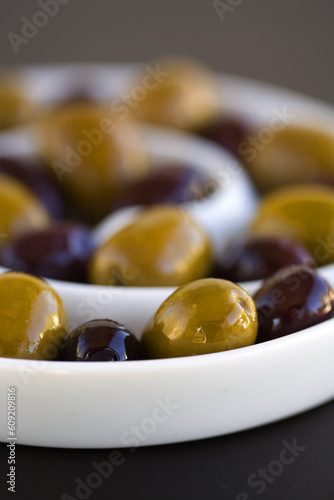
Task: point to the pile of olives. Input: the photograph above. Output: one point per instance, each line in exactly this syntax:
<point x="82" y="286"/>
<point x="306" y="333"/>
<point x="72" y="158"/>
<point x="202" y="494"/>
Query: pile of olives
<point x="92" y="162"/>
<point x="201" y="317"/>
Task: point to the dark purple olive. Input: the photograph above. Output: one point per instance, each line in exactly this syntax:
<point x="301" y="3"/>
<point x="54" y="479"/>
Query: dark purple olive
<point x="77" y="92"/>
<point x="77" y="97"/>
<point x="32" y="175"/>
<point x="101" y="340"/>
<point x="258" y="257"/>
<point x="60" y="251"/>
<point x="293" y="299"/>
<point x="172" y="184"/>
<point x="228" y="132"/>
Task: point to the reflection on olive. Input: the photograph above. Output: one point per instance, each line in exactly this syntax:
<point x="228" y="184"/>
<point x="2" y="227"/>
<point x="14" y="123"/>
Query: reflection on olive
<point x="204" y="316"/>
<point x="33" y="318"/>
<point x="101" y="340"/>
<point x="164" y="246"/>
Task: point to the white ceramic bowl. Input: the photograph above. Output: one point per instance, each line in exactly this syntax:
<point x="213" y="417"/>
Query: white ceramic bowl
<point x="103" y="405"/>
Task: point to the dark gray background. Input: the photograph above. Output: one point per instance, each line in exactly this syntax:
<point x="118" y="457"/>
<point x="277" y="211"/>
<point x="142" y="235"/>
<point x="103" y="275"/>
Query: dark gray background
<point x="289" y="43"/>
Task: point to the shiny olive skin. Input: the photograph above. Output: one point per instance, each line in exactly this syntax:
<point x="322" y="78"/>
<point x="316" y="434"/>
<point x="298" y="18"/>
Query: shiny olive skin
<point x="163" y="246"/>
<point x="173" y="184"/>
<point x="303" y="213"/>
<point x="20" y="210"/>
<point x="259" y="257"/>
<point x="292" y="154"/>
<point x="101" y="340"/>
<point x="293" y="299"/>
<point x="31" y="173"/>
<point x="228" y="132"/>
<point x="201" y="317"/>
<point x="60" y="251"/>
<point x="92" y="153"/>
<point x="180" y="93"/>
<point x="33" y="318"/>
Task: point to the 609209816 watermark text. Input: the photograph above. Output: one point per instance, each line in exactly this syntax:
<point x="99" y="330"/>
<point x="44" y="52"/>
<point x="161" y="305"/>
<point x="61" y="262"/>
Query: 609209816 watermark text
<point x="12" y="438"/>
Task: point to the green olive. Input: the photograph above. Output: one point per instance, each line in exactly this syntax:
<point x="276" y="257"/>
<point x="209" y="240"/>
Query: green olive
<point x="176" y="92"/>
<point x="301" y="213"/>
<point x="33" y="318"/>
<point x="293" y="154"/>
<point x="15" y="108"/>
<point x="164" y="246"/>
<point x="93" y="154"/>
<point x="201" y="317"/>
<point x="20" y="210"/>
